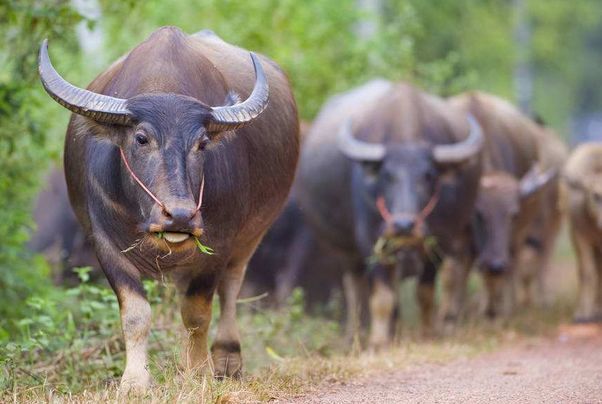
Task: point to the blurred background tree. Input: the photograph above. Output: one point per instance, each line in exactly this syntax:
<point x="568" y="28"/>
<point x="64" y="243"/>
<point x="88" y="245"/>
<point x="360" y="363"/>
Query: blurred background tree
<point x="24" y="145"/>
<point x="446" y="46"/>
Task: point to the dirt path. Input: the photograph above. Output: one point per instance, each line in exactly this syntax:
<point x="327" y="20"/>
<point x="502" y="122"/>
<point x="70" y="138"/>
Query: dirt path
<point x="565" y="369"/>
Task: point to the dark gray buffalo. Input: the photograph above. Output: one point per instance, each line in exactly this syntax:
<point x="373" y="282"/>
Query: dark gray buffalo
<point x="386" y="172"/>
<point x="163" y="158"/>
<point x="58" y="236"/>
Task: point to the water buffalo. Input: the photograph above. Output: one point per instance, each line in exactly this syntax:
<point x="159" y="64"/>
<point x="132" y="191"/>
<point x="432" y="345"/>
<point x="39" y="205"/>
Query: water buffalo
<point x="164" y="159"/>
<point x="289" y="256"/>
<point x="386" y="167"/>
<point x="535" y="255"/>
<point x="58" y="236"/>
<point x="582" y="196"/>
<point x="508" y="193"/>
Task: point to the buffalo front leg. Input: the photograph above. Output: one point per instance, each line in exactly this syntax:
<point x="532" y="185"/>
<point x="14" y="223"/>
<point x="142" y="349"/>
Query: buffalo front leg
<point x="135" y="322"/>
<point x="382" y="306"/>
<point x="588" y="278"/>
<point x="351" y="287"/>
<point x="135" y="311"/>
<point x="454" y="279"/>
<point x="425" y="295"/>
<point x="529" y="263"/>
<point x="196" y="305"/>
<point x="497" y="286"/>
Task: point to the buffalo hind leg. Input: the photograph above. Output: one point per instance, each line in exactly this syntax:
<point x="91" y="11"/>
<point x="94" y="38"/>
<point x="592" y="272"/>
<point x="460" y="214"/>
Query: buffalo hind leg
<point x="598" y="309"/>
<point x="196" y="302"/>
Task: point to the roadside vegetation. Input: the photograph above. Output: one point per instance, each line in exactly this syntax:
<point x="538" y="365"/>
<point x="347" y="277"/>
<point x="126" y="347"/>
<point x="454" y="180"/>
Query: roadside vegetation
<point x="70" y="347"/>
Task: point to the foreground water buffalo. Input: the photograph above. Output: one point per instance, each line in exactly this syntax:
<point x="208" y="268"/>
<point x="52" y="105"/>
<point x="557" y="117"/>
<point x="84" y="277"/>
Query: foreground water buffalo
<point x="582" y="195"/>
<point x="58" y="235"/>
<point x="386" y="167"/>
<point x="164" y="162"/>
<point x="535" y="255"/>
<point x="509" y="191"/>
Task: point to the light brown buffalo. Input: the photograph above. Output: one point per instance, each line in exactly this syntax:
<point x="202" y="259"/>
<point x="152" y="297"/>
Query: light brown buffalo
<point x="510" y="191"/>
<point x="582" y="196"/>
<point x="535" y="255"/>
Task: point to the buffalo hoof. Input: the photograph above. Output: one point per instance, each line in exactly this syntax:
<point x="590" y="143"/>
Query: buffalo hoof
<point x="135" y="382"/>
<point x="448" y="328"/>
<point x="448" y="324"/>
<point x="378" y="346"/>
<point x="593" y="319"/>
<point x="428" y="332"/>
<point x="227" y="360"/>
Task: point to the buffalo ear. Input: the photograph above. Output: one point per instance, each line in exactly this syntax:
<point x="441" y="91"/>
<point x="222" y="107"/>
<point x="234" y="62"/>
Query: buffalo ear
<point x="115" y="134"/>
<point x="573" y="183"/>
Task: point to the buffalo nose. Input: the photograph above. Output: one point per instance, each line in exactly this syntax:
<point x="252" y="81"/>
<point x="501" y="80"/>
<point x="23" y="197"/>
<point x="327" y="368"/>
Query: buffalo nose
<point x="497" y="266"/>
<point x="179" y="216"/>
<point x="404" y="225"/>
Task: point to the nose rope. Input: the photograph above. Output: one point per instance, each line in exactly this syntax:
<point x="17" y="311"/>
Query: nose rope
<point x="198" y="206"/>
<point x="148" y="191"/>
<point x="388" y="217"/>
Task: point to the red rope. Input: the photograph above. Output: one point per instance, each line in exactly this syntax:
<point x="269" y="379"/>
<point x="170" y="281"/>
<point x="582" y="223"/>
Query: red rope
<point x="148" y="191"/>
<point x="388" y="217"/>
<point x="198" y="206"/>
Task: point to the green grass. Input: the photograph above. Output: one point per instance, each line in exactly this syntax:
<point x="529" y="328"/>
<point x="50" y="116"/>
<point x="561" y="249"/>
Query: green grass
<point x="70" y="347"/>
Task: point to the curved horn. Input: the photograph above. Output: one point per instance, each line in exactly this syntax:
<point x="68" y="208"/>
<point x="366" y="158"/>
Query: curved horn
<point x="98" y="107"/>
<point x="534" y="180"/>
<point x="357" y="149"/>
<point x="241" y="114"/>
<point x="463" y="150"/>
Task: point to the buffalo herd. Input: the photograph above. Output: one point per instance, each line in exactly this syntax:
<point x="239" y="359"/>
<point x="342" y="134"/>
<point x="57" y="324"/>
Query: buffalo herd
<point x="181" y="155"/>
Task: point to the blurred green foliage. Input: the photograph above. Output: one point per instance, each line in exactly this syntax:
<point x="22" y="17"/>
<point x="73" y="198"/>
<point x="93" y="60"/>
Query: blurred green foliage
<point x="24" y="150"/>
<point x="314" y="41"/>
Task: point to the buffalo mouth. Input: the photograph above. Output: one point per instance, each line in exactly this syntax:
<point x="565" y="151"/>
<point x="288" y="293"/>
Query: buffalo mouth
<point x="173" y="237"/>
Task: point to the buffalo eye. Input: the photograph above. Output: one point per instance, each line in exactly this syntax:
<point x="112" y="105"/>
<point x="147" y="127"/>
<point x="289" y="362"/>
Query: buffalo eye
<point x="202" y="144"/>
<point x="141" y="138"/>
<point x="371" y="168"/>
<point x="430" y="176"/>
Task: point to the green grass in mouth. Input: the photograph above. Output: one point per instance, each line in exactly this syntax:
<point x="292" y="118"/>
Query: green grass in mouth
<point x="202" y="248"/>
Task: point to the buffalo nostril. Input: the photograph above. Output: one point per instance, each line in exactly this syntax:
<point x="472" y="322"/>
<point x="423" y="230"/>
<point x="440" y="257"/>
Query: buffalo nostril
<point x="404" y="225"/>
<point x="181" y="215"/>
<point x="165" y="212"/>
<point x="497" y="266"/>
